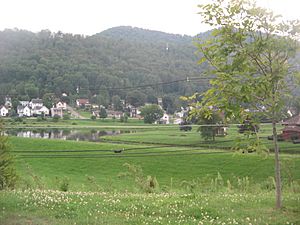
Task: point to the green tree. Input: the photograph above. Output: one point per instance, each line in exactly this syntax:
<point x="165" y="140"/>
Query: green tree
<point x="49" y="100"/>
<point x="116" y="101"/>
<point x="248" y="54"/>
<point x="209" y="125"/>
<point x="151" y="113"/>
<point x="8" y="174"/>
<point x="103" y="113"/>
<point x="136" y="98"/>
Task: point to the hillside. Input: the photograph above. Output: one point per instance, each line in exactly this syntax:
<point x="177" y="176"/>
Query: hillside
<point x="33" y="64"/>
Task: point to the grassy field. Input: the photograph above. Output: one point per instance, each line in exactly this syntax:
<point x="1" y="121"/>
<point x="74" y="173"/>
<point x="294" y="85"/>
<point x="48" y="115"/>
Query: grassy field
<point x="198" y="183"/>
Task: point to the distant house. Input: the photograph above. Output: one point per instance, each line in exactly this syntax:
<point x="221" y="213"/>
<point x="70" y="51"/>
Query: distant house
<point x="61" y="105"/>
<point x="24" y="103"/>
<point x="165" y="119"/>
<point x="94" y="106"/>
<point x="3" y="111"/>
<point x="8" y="103"/>
<point x="82" y="102"/>
<point x="133" y="111"/>
<point x="292" y="128"/>
<point x="40" y="110"/>
<point x="36" y="103"/>
<point x="114" y="114"/>
<point x="23" y="111"/>
<point x="57" y="112"/>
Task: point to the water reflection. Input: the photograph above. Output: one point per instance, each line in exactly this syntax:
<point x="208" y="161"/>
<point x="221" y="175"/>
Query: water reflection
<point x="66" y="134"/>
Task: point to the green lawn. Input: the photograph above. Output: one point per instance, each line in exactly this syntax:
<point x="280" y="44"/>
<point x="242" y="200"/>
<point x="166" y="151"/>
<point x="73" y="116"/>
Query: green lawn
<point x="198" y="183"/>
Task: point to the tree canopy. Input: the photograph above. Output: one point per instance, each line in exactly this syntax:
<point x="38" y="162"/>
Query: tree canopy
<point x="249" y="54"/>
<point x="151" y="113"/>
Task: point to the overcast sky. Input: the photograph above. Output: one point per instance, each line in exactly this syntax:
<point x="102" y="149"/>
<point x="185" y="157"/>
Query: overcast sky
<point x="93" y="16"/>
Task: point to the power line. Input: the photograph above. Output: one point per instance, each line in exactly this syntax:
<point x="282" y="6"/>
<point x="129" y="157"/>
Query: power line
<point x="188" y="79"/>
<point x="133" y="155"/>
<point x="149" y="85"/>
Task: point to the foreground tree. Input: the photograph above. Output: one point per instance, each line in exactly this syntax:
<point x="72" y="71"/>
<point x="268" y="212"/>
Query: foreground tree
<point x="8" y="175"/>
<point x="151" y="113"/>
<point x="249" y="54"/>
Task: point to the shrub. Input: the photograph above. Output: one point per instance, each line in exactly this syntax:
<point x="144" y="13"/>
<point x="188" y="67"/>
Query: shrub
<point x="146" y="183"/>
<point x="64" y="184"/>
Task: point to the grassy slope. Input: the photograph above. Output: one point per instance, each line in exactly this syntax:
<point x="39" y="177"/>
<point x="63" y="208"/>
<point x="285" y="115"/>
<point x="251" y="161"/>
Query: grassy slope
<point x="105" y="170"/>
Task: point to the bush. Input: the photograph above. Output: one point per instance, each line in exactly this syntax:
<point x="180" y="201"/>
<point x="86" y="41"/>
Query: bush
<point x="146" y="183"/>
<point x="64" y="184"/>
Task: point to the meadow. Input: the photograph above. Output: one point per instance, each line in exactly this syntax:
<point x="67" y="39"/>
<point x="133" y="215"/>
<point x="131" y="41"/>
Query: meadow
<point x="195" y="182"/>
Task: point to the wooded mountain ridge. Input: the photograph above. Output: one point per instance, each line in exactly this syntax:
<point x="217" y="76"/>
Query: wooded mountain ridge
<point x="35" y="64"/>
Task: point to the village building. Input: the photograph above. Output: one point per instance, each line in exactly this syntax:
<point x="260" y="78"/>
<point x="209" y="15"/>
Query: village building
<point x="165" y="119"/>
<point x="24" y="103"/>
<point x="40" y="111"/>
<point x="61" y="105"/>
<point x="56" y="112"/>
<point x="83" y="102"/>
<point x="36" y="103"/>
<point x="291" y="131"/>
<point x="8" y="103"/>
<point x="114" y="114"/>
<point x="3" y="111"/>
<point x="23" y="111"/>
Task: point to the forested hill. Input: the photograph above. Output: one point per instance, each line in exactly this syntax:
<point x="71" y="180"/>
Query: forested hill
<point x="34" y="64"/>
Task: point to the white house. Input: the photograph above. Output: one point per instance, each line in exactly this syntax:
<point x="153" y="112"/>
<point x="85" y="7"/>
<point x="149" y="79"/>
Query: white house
<point x="57" y="111"/>
<point x="165" y="119"/>
<point x="8" y="103"/>
<point x="40" y="110"/>
<point x="24" y="103"/>
<point x="36" y="103"/>
<point x="23" y="111"/>
<point x="61" y="105"/>
<point x="3" y="111"/>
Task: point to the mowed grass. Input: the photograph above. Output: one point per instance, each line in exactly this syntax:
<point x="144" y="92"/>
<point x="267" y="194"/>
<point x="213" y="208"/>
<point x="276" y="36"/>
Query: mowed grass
<point x="174" y="163"/>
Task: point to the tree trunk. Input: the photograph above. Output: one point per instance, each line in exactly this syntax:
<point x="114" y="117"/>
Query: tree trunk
<point x="277" y="167"/>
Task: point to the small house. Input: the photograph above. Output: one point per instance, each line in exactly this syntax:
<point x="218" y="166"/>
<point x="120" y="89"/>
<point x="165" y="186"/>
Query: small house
<point x="8" y="103"/>
<point x="61" y="105"/>
<point x="165" y="119"/>
<point x="56" y="112"/>
<point x="292" y="128"/>
<point x="40" y="111"/>
<point x="3" y="111"/>
<point x="114" y="114"/>
<point x="24" y="103"/>
<point x="23" y="111"/>
<point x="36" y="102"/>
<point x="82" y="102"/>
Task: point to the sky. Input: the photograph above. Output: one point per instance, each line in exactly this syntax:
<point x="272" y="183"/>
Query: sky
<point x="89" y="17"/>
